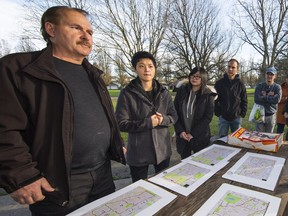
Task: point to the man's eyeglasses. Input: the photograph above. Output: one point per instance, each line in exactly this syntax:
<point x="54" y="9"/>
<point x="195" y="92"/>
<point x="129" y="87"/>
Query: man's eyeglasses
<point x="196" y="77"/>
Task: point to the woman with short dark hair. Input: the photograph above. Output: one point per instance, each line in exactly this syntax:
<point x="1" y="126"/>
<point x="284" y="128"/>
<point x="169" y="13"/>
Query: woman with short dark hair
<point x="145" y="110"/>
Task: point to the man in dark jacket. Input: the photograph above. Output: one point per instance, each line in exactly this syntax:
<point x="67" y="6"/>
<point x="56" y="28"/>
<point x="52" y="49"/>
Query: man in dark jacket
<point x="231" y="104"/>
<point x="57" y="126"/>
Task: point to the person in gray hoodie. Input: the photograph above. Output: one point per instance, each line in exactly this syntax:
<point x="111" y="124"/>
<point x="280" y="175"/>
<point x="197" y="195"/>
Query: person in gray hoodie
<point x="145" y="111"/>
<point x="194" y="103"/>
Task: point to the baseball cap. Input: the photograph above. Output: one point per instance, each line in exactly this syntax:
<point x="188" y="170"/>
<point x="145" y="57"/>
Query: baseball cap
<point x="271" y="70"/>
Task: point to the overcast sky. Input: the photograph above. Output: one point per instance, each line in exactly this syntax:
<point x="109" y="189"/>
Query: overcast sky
<point x="10" y="14"/>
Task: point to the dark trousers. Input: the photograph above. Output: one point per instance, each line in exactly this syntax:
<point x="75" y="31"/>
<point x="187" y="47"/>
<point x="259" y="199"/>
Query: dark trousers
<point x="280" y="129"/>
<point x="185" y="148"/>
<point x="141" y="172"/>
<point x="84" y="188"/>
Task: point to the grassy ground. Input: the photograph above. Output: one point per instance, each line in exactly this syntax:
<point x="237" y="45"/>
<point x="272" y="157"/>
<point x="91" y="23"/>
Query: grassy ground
<point x="213" y="125"/>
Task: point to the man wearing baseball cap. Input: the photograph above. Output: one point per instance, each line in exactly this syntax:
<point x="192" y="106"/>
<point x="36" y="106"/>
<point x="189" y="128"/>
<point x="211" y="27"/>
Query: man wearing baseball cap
<point x="268" y="94"/>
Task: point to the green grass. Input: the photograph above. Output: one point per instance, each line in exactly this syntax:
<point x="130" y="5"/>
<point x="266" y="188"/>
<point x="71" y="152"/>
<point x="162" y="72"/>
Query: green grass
<point x="114" y="93"/>
<point x="214" y="123"/>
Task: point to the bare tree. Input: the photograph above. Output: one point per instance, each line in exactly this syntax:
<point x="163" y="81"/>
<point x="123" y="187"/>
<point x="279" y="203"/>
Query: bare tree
<point x="249" y="72"/>
<point x="121" y="76"/>
<point x="128" y="26"/>
<point x="260" y="23"/>
<point x="282" y="66"/>
<point x="195" y="37"/>
<point x="4" y="48"/>
<point x="121" y="27"/>
<point x="25" y="45"/>
<point x="103" y="62"/>
<point x="165" y="73"/>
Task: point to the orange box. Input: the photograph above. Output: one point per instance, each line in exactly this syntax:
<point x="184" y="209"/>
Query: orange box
<point x="256" y="140"/>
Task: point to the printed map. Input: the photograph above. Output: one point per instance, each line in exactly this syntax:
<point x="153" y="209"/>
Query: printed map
<point x="186" y="175"/>
<point x="231" y="200"/>
<point x="255" y="167"/>
<point x="129" y="203"/>
<point x="237" y="204"/>
<point x="213" y="156"/>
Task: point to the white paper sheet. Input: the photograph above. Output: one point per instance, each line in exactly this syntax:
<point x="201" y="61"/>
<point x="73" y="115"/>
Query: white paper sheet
<point x="257" y="169"/>
<point x="183" y="178"/>
<point x="238" y="201"/>
<point x="213" y="157"/>
<point x="140" y="198"/>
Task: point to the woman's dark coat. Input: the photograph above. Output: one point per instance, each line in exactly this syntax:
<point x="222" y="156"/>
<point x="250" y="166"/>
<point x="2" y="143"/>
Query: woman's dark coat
<point x="203" y="115"/>
<point x="146" y="145"/>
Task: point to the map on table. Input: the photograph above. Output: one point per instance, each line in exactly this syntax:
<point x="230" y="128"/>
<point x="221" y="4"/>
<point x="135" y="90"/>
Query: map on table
<point x="257" y="169"/>
<point x="139" y="198"/>
<point x="183" y="178"/>
<point x="213" y="156"/>
<point x="238" y="201"/>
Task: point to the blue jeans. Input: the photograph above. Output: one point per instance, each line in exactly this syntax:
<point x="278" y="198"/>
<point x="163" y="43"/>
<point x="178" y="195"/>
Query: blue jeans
<point x="224" y="125"/>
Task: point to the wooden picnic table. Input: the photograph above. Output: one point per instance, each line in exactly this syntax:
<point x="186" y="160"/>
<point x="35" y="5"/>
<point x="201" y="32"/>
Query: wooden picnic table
<point x="189" y="205"/>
